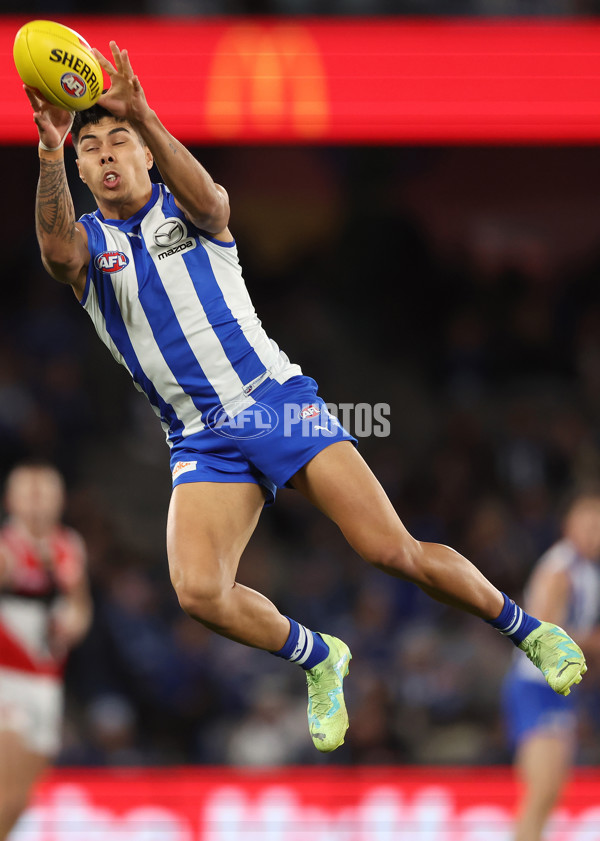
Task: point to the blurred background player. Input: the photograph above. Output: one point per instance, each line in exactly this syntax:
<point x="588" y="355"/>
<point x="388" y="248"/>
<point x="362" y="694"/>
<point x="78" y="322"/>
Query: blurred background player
<point x="45" y="610"/>
<point x="565" y="588"/>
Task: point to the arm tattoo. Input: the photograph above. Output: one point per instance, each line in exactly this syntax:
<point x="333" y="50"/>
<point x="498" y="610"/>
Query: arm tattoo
<point x="54" y="213"/>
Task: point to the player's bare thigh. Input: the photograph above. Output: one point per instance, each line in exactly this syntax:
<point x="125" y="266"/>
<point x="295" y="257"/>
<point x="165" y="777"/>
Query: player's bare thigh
<point x="341" y="484"/>
<point x="208" y="527"/>
<point x="20" y="767"/>
<point x="544" y="760"/>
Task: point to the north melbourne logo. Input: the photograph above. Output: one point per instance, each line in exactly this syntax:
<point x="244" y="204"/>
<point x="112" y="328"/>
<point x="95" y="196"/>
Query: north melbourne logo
<point x="172" y="238"/>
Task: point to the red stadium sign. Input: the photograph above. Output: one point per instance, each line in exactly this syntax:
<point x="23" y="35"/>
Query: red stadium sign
<point x="236" y="80"/>
<point x="368" y="804"/>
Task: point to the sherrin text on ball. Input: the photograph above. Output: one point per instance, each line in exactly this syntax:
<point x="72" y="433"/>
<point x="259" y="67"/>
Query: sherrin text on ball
<point x="58" y="62"/>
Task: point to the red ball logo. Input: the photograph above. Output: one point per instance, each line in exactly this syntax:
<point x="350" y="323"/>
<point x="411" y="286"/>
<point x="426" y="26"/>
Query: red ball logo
<point x="73" y="84"/>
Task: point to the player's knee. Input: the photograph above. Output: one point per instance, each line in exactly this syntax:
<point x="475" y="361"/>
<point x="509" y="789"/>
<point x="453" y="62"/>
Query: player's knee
<point x="399" y="556"/>
<point x="202" y="599"/>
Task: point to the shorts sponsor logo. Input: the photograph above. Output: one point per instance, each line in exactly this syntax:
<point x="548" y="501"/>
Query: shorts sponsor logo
<point x="111" y="261"/>
<point x="312" y="421"/>
<point x="73" y="84"/>
<point x="310" y="412"/>
<point x="183" y="467"/>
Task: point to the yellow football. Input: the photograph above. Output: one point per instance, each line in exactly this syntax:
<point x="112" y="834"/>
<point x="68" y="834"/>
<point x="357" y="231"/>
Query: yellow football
<point x="59" y="63"/>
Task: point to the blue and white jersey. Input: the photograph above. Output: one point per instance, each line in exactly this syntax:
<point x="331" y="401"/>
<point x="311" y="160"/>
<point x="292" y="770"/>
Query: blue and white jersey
<point x="583" y="597"/>
<point x="170" y="303"/>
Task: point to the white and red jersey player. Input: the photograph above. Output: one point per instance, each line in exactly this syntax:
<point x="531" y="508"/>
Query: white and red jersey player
<point x="38" y="576"/>
<point x="45" y="609"/>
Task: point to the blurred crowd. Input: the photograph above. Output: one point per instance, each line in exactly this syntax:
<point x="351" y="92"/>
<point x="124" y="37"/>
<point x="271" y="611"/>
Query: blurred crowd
<point x="457" y="285"/>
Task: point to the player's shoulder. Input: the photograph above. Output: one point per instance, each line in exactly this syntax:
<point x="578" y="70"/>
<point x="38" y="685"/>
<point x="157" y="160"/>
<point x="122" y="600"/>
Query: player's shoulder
<point x="87" y="219"/>
<point x="561" y="553"/>
<point x="88" y="226"/>
<point x="70" y="542"/>
<point x="167" y="197"/>
<point x="224" y="241"/>
<point x="10" y="538"/>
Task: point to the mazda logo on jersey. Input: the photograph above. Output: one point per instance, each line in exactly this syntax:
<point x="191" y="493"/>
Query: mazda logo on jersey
<point x="172" y="238"/>
<point x="170" y="233"/>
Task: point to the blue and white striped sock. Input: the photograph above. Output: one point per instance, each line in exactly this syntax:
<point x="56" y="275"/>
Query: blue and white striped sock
<point x="513" y="622"/>
<point x="303" y="646"/>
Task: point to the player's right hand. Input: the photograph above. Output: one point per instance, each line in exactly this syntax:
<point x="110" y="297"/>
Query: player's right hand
<point x="53" y="123"/>
<point x="125" y="98"/>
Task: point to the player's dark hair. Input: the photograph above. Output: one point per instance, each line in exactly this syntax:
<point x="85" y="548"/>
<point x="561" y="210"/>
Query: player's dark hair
<point x="91" y="116"/>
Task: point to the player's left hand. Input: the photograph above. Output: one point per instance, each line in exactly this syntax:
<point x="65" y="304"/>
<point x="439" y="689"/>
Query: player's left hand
<point x="53" y="123"/>
<point x="60" y="639"/>
<point x="64" y="631"/>
<point x="125" y="97"/>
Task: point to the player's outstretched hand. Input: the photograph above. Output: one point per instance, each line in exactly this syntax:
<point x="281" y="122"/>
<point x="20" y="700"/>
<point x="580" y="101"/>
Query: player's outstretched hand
<point x="53" y="123"/>
<point x="125" y="97"/>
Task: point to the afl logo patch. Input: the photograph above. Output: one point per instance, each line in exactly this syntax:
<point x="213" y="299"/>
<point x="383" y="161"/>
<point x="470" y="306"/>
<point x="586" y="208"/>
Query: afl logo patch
<point x="309" y="412"/>
<point x="170" y="233"/>
<point x="111" y="261"/>
<point x="73" y="84"/>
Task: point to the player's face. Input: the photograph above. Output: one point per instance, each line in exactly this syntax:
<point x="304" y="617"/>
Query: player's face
<point x="114" y="164"/>
<point x="35" y="496"/>
<point x="583" y="527"/>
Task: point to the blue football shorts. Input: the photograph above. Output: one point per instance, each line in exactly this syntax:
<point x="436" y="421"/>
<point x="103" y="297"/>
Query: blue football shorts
<point x="266" y="443"/>
<point x="531" y="706"/>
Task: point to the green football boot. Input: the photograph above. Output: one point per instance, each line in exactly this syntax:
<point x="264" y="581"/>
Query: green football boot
<point x="558" y="656"/>
<point x="327" y="715"/>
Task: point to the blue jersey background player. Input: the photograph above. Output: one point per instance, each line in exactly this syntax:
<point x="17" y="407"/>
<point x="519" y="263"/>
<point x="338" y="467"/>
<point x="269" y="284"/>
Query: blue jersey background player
<point x="564" y="587"/>
<point x="157" y="271"/>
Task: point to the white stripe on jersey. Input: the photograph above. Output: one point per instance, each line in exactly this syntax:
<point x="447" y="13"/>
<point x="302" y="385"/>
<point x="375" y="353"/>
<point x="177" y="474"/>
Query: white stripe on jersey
<point x="142" y="338"/>
<point x="201" y="337"/>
